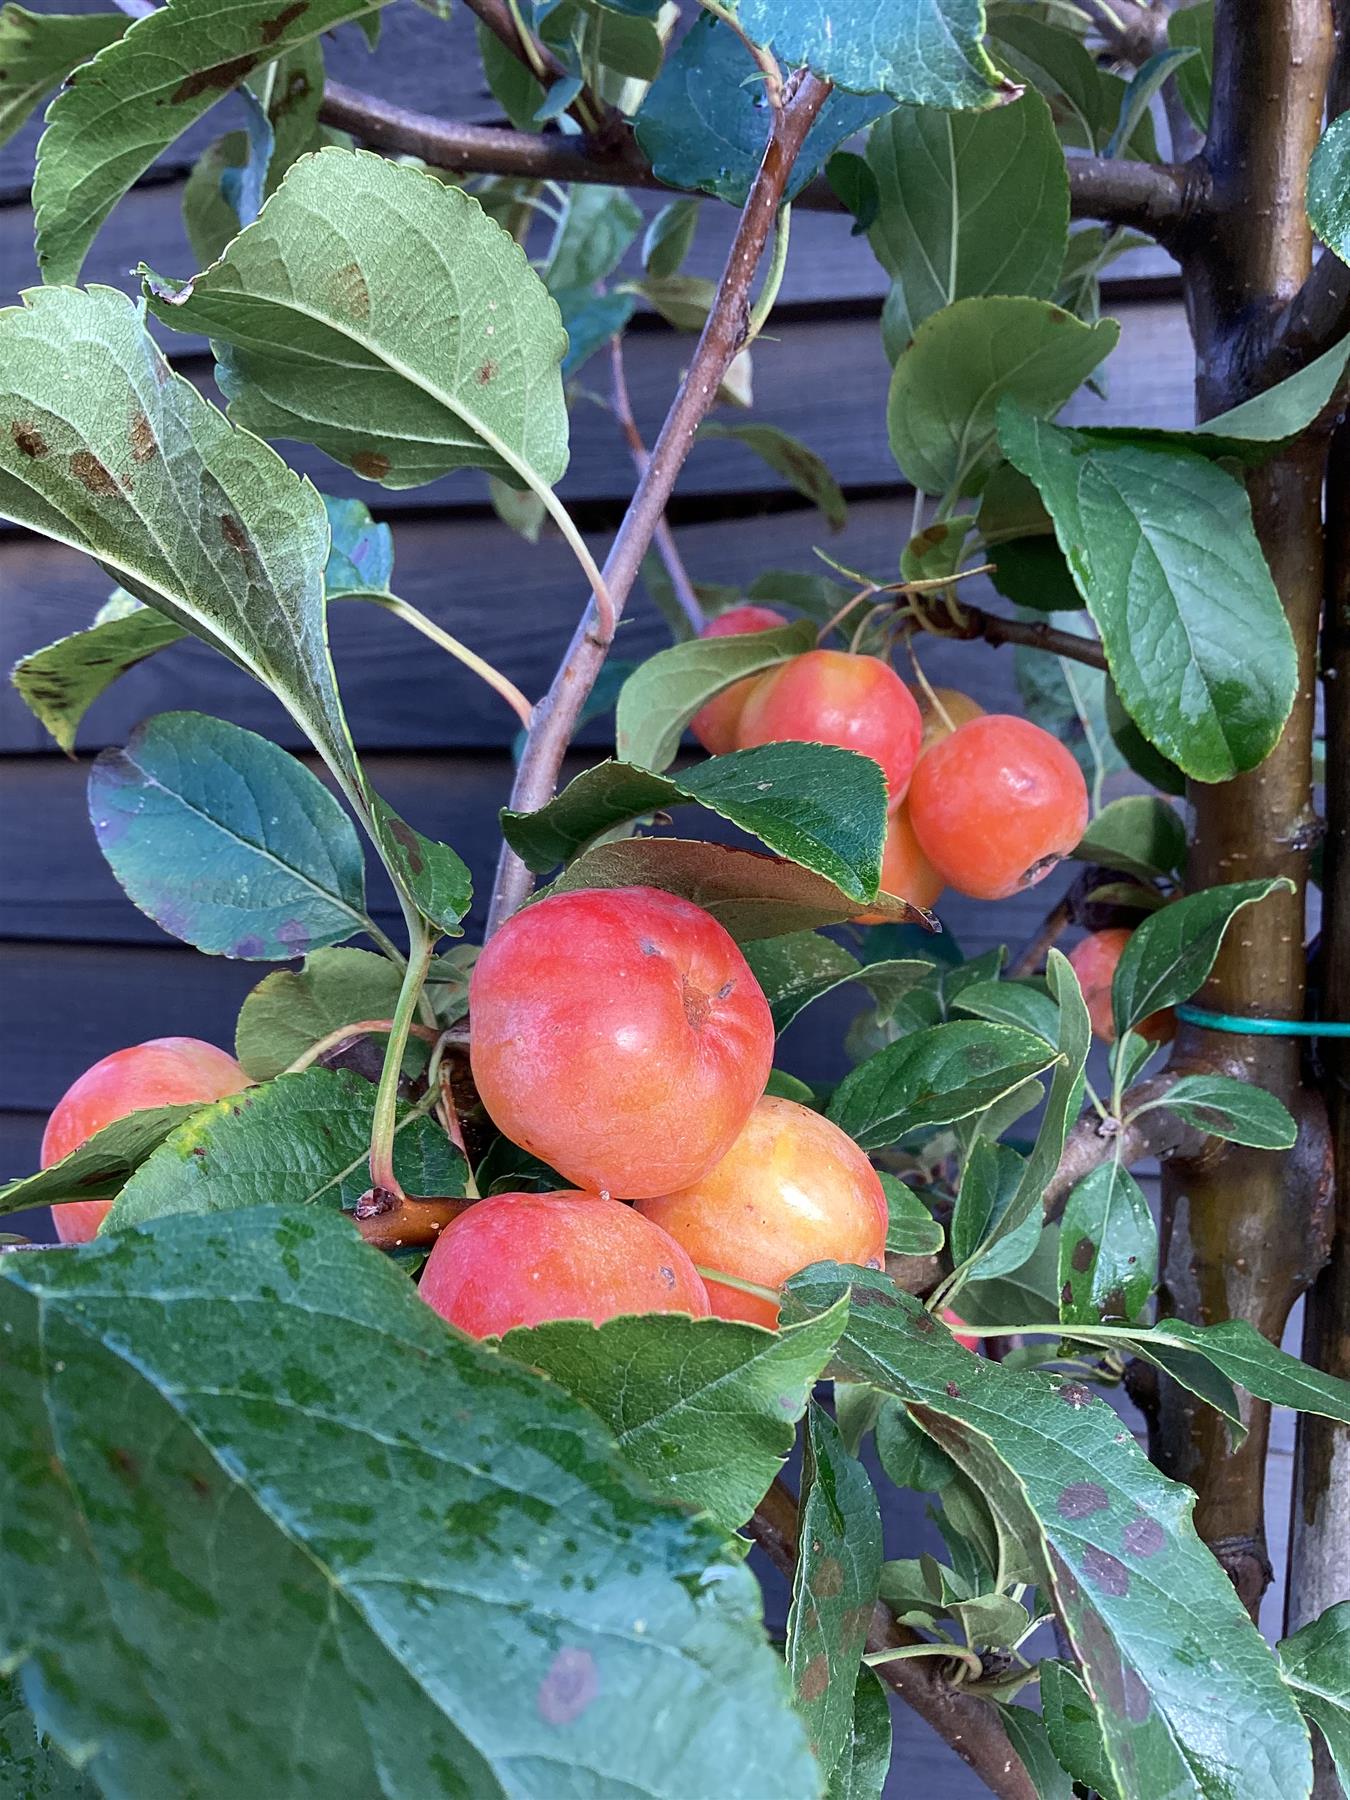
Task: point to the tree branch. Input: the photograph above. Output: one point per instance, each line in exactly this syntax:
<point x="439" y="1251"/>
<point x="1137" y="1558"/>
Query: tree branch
<point x="556" y="714"/>
<point x="971" y="622"/>
<point x="662" y="537"/>
<point x="969" y="1725"/>
<point x="1093" y="1140"/>
<point x="1156" y="198"/>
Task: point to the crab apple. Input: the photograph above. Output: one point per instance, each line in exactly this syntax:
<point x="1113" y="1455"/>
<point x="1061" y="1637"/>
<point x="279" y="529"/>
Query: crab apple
<point x="955" y="1323"/>
<point x="171" y="1071"/>
<point x="1094" y="963"/>
<point x="942" y="711"/>
<point x="995" y="805"/>
<point x="792" y="1190"/>
<point x="619" y="1035"/>
<point x="521" y="1259"/>
<point x="905" y="870"/>
<point x="834" y="697"/>
<point x="714" y="725"/>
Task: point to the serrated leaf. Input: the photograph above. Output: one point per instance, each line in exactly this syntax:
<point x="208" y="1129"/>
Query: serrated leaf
<point x="1022" y="1003"/>
<point x="101" y="1164"/>
<point x="1163" y="551"/>
<point x="834" y="1587"/>
<point x="1170" y="954"/>
<point x="942" y="413"/>
<point x="795" y="461"/>
<point x="911" y="1229"/>
<point x="795" y="971"/>
<point x="290" y="1010"/>
<point x="1140" y="835"/>
<point x="969" y="203"/>
<point x="1074" y="1731"/>
<point x="1141" y="1598"/>
<point x="705" y="1408"/>
<point x="702" y="125"/>
<point x="227" y="842"/>
<point x="308" y="311"/>
<point x="345" y="1443"/>
<point x="38" y="52"/>
<point x="930" y="52"/>
<point x="752" y="895"/>
<point x="663" y="693"/>
<point x="1108" y="1249"/>
<point x="1315" y="1662"/>
<point x="298" y="1141"/>
<point x="934" y="1077"/>
<point x="141" y="93"/>
<point x="31" y="1768"/>
<point x="823" y="807"/>
<point x="1329" y="188"/>
<point x="1193" y="27"/>
<point x="865" y="1759"/>
<point x="1235" y="1110"/>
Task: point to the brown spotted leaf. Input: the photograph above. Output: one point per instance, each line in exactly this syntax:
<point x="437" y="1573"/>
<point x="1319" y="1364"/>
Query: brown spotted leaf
<point x="300" y="1538"/>
<point x="1188" y="1696"/>
<point x="835" y="1585"/>
<point x="129" y="104"/>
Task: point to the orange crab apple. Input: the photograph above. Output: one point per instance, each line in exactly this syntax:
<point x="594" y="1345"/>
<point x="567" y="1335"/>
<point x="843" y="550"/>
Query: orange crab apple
<point x="996" y="804"/>
<point x="834" y="697"/>
<point x="792" y="1190"/>
<point x="619" y="1035"/>
<point x="943" y="710"/>
<point x="905" y="870"/>
<point x="1094" y="963"/>
<point x="170" y="1071"/>
<point x="521" y="1259"/>
<point x="714" y="725"/>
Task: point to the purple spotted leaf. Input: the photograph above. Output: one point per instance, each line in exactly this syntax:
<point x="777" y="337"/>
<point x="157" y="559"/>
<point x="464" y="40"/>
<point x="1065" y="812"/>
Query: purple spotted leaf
<point x="1187" y="1695"/>
<point x="226" y="841"/>
<point x="1108" y="1249"/>
<point x="834" y="1588"/>
<point x="252" y="1448"/>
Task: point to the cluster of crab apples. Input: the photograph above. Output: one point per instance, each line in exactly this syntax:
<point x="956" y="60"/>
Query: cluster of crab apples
<point x="984" y="803"/>
<point x="620" y="1037"/>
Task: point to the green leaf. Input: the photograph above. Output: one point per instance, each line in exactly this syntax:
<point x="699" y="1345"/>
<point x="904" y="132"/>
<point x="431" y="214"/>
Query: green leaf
<point x="1172" y="951"/>
<point x="143" y="91"/>
<point x="1329" y="188"/>
<point x="597" y="226"/>
<point x="1030" y="1291"/>
<point x="794" y="461"/>
<point x="1234" y="1110"/>
<point x="1074" y="1731"/>
<point x="101" y="1164"/>
<point x="989" y="1184"/>
<point x="30" y="1768"/>
<point x="934" y="1077"/>
<point x="705" y="1408"/>
<point x="946" y="388"/>
<point x="752" y="895"/>
<point x="702" y="124"/>
<point x="669" y="238"/>
<point x="1140" y="92"/>
<point x="1085" y="99"/>
<point x="1140" y="835"/>
<point x="226" y="841"/>
<point x="1108" y="1249"/>
<point x="926" y="51"/>
<point x="1141" y="1598"/>
<point x="662" y="695"/>
<point x="1135" y="748"/>
<point x="834" y="1587"/>
<point x="683" y="301"/>
<point x="865" y="1759"/>
<point x="909" y="1458"/>
<point x="1163" y="551"/>
<point x="1281" y="412"/>
<point x="1316" y="1664"/>
<point x="510" y="83"/>
<point x="938" y="550"/>
<point x="1239" y="1351"/>
<point x="823" y="807"/>
<point x="1068" y="700"/>
<point x="970" y="203"/>
<point x="855" y="186"/>
<point x="912" y="1230"/>
<point x="37" y="54"/>
<point x="267" y="1380"/>
<point x="293" y="1008"/>
<point x="315" y="339"/>
<point x="1028" y="1737"/>
<point x="300" y="1140"/>
<point x="1193" y="27"/>
<point x="795" y="971"/>
<point x="60" y="682"/>
<point x="1023" y="1003"/>
<point x="361" y="552"/>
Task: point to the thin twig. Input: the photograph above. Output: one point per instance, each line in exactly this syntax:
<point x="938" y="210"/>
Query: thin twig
<point x="1093" y="1141"/>
<point x="724" y="331"/>
<point x="1033" y="953"/>
<point x="663" y="537"/>
<point x="506" y="27"/>
<point x="499" y="683"/>
<point x="974" y="622"/>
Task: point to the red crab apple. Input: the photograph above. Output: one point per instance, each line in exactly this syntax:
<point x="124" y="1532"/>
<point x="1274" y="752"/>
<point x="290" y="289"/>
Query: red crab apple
<point x="521" y="1259"/>
<point x="834" y="697"/>
<point x="954" y="1323"/>
<point x="943" y="710"/>
<point x="905" y="870"/>
<point x="1094" y="963"/>
<point x="619" y="1035"/>
<point x="996" y="805"/>
<point x="170" y="1071"/>
<point x="714" y="725"/>
<point x="792" y="1190"/>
